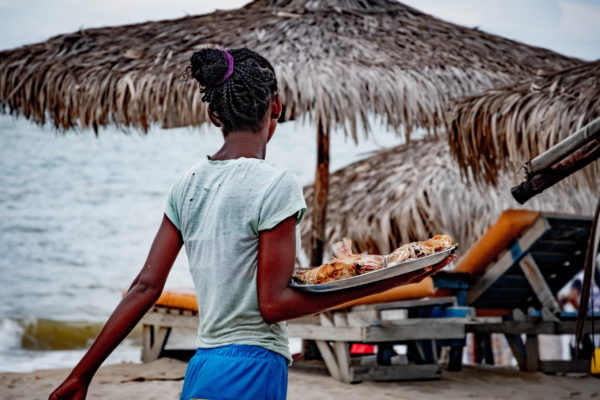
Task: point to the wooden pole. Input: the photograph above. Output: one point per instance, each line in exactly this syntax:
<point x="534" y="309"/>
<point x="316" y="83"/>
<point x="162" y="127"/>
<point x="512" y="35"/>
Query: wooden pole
<point x="563" y="148"/>
<point x="589" y="275"/>
<point x="320" y="197"/>
<point x="549" y="176"/>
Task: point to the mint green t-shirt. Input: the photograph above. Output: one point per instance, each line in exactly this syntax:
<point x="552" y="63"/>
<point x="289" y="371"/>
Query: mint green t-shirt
<point x="221" y="207"/>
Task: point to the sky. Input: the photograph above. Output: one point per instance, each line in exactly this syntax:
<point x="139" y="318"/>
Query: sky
<point x="570" y="27"/>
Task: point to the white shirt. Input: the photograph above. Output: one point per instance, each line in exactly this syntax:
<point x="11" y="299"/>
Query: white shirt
<point x="221" y="207"/>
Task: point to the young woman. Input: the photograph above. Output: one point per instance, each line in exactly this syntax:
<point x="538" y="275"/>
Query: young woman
<point x="237" y="217"/>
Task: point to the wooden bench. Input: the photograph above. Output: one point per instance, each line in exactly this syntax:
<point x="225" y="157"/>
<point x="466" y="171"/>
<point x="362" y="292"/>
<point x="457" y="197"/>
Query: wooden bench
<point x="334" y="332"/>
<point x="527" y="353"/>
<point x="382" y="324"/>
<point x="520" y="282"/>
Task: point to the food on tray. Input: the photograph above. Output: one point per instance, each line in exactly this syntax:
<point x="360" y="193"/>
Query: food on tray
<point x="343" y="248"/>
<point x="420" y="249"/>
<point x="347" y="265"/>
<point x="340" y="268"/>
<point x="327" y="273"/>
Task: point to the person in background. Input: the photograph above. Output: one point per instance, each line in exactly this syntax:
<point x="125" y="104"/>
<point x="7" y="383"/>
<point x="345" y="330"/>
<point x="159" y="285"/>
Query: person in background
<point x="573" y="298"/>
<point x="574" y="295"/>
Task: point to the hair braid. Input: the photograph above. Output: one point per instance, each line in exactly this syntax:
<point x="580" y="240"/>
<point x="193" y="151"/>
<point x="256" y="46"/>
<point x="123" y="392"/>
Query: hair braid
<point x="241" y="101"/>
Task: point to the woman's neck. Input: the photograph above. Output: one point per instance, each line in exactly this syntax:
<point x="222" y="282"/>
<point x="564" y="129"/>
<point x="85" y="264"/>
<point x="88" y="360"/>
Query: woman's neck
<point x="242" y="144"/>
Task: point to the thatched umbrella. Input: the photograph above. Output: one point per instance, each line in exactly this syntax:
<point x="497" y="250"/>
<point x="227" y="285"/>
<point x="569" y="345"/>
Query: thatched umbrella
<point x="503" y="128"/>
<point x="336" y="60"/>
<point x="413" y="191"/>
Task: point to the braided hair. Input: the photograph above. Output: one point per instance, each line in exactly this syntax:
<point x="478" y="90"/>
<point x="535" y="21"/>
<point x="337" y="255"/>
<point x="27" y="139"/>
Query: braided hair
<point x="241" y="101"/>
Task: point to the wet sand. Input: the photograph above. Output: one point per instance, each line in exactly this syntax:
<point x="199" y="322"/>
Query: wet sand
<point x="163" y="379"/>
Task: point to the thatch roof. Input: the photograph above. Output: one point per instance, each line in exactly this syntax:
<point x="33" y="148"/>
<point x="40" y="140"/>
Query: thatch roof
<point x="336" y="60"/>
<point x="503" y="128"/>
<point x="414" y="191"/>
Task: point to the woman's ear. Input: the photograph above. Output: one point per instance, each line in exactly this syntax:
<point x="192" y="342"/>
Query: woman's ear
<point x="275" y="114"/>
<point x="276" y="107"/>
<point x="213" y="118"/>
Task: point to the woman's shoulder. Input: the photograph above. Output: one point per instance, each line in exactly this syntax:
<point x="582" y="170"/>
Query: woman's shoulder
<point x="273" y="174"/>
<point x="256" y="172"/>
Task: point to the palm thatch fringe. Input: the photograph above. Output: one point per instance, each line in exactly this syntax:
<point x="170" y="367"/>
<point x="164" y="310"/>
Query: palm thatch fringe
<point x="336" y="60"/>
<point x="503" y="128"/>
<point x="413" y="191"/>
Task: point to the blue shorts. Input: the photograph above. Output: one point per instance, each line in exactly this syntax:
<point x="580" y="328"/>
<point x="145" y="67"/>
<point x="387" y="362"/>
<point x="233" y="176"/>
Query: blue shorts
<point x="236" y="372"/>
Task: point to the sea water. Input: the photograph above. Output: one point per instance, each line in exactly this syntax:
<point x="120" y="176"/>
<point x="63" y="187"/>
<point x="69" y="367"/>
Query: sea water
<point x="78" y="213"/>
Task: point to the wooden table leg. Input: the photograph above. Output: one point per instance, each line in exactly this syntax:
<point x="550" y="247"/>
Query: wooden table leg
<point x="518" y="349"/>
<point x="533" y="353"/>
<point x="337" y="355"/>
<point x="330" y="359"/>
<point x="154" y="339"/>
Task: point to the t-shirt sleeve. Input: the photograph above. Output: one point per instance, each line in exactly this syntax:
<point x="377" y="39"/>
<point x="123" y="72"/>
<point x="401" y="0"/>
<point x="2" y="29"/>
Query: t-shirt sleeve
<point x="172" y="208"/>
<point x="282" y="199"/>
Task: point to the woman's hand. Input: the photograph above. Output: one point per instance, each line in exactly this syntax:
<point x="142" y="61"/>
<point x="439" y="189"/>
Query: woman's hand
<point x="419" y="275"/>
<point x="72" y="389"/>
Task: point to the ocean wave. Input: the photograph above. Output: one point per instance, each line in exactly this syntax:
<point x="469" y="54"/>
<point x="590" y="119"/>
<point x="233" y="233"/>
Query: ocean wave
<point x="47" y="334"/>
<point x="30" y="344"/>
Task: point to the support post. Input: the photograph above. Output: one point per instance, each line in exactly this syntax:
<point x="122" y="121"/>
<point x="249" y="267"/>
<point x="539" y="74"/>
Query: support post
<point x="154" y="339"/>
<point x="518" y="349"/>
<point x="544" y="179"/>
<point x="532" y="348"/>
<point x="563" y="148"/>
<point x="336" y="355"/>
<point x="589" y="275"/>
<point x="538" y="284"/>
<point x="320" y="197"/>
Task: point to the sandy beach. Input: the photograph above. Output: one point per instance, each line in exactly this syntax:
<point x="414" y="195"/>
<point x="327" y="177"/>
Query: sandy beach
<point x="162" y="379"/>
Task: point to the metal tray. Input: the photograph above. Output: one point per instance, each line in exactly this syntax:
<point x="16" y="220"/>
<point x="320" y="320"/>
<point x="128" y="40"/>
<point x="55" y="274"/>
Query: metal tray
<point x="389" y="271"/>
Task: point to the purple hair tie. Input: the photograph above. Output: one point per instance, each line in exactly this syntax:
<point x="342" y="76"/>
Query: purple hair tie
<point x="229" y="67"/>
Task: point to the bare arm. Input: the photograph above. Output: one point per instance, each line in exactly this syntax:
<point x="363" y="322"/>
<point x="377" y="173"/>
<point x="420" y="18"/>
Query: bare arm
<point x="140" y="297"/>
<point x="279" y="302"/>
